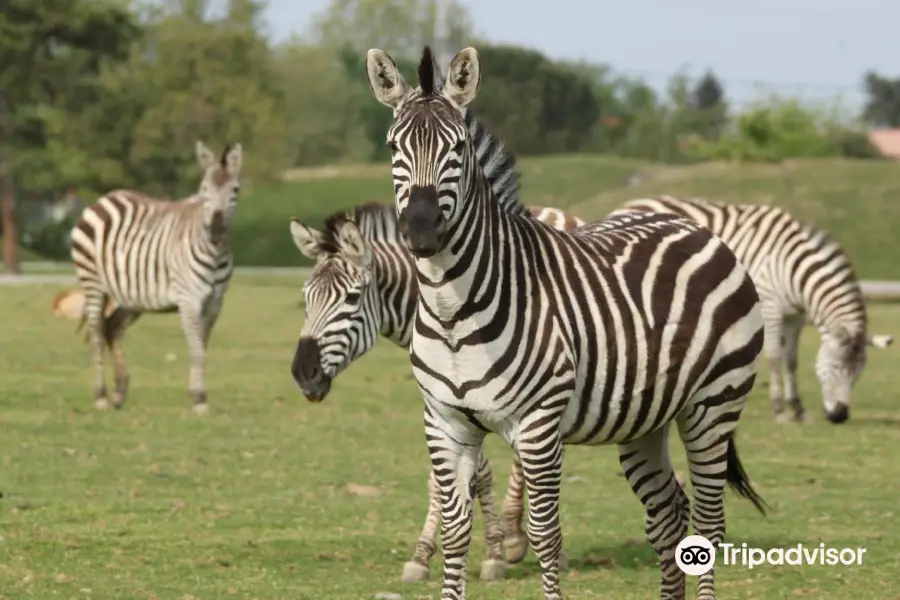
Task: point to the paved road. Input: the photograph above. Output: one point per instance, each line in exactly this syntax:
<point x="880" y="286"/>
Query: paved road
<point x="37" y="273"/>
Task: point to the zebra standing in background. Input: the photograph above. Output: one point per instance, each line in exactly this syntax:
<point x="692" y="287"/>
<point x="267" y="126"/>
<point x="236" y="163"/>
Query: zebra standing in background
<point x="800" y="273"/>
<point x="149" y="255"/>
<point x="363" y="285"/>
<point x="606" y="334"/>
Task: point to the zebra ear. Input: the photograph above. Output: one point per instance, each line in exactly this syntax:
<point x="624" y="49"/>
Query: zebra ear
<point x="385" y="79"/>
<point x="306" y="239"/>
<point x="352" y="244"/>
<point x="879" y="341"/>
<point x="233" y="160"/>
<point x="463" y="78"/>
<point x="205" y="156"/>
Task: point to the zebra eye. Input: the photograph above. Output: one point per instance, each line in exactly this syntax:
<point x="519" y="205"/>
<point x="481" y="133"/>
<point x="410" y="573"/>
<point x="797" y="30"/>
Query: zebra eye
<point x="393" y="146"/>
<point x="459" y="146"/>
<point x="352" y="298"/>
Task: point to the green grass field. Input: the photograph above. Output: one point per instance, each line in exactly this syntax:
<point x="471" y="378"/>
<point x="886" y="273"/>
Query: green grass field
<point x="252" y="501"/>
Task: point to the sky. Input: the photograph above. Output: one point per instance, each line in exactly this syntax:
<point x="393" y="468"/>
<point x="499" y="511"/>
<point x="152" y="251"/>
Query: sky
<point x="815" y="49"/>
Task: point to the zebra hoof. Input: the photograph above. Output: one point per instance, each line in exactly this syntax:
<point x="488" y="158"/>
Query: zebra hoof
<point x="563" y="561"/>
<point x="515" y="547"/>
<point x="493" y="570"/>
<point x="102" y="404"/>
<point x="200" y="409"/>
<point x="414" y="572"/>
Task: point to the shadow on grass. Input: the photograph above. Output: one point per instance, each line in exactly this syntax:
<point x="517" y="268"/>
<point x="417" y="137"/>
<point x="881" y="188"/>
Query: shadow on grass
<point x="631" y="554"/>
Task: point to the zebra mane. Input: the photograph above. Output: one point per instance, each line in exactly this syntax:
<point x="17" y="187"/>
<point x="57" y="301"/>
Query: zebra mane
<point x="377" y="222"/>
<point x="426" y="72"/>
<point x="498" y="165"/>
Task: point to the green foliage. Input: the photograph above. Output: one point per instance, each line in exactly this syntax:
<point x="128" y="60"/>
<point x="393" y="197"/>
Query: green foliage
<point x="400" y="27"/>
<point x="782" y="129"/>
<point x="112" y="94"/>
<point x="882" y="107"/>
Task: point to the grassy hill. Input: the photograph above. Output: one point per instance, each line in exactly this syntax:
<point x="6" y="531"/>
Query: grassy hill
<point x="857" y="201"/>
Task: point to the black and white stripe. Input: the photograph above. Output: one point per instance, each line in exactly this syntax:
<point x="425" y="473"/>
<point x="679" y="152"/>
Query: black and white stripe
<point x="607" y="334"/>
<point x="363" y="285"/>
<point x="149" y="255"/>
<point x="802" y="275"/>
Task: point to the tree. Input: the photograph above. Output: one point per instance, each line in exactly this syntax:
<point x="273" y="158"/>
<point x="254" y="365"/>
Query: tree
<point x="400" y="27"/>
<point x="50" y="54"/>
<point x="325" y="108"/>
<point x="882" y="108"/>
<point x="198" y="77"/>
<point x="710" y="107"/>
<point x="708" y="92"/>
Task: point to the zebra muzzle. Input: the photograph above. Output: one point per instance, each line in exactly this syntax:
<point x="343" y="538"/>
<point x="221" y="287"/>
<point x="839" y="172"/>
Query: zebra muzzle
<point x="422" y="223"/>
<point x="307" y="371"/>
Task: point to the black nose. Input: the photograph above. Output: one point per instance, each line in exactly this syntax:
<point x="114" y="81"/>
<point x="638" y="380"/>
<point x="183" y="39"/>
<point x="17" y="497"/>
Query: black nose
<point x="422" y="222"/>
<point x="838" y="414"/>
<point x="306" y="369"/>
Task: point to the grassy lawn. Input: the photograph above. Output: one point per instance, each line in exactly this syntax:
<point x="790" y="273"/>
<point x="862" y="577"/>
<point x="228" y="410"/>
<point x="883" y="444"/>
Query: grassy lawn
<point x="252" y="501"/>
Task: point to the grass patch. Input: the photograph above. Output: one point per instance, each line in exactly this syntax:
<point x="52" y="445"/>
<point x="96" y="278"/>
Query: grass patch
<point x="252" y="501"/>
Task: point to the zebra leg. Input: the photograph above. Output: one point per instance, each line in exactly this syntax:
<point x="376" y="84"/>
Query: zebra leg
<point x="515" y="541"/>
<point x="192" y="323"/>
<point x="706" y="443"/>
<point x="494" y="566"/>
<point x="540" y="452"/>
<point x="793" y="327"/>
<point x="116" y="325"/>
<point x="773" y="347"/>
<point x="455" y="449"/>
<point x="649" y="472"/>
<point x="416" y="569"/>
<point x="94" y="304"/>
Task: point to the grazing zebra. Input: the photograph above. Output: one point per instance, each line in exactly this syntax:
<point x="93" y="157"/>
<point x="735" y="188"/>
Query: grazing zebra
<point x="801" y="274"/>
<point x="148" y="255"/>
<point x="606" y="334"/>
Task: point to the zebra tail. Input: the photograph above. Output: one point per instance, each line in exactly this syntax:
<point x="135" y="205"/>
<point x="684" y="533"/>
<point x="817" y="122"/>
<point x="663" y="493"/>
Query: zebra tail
<point x="69" y="304"/>
<point x="738" y="480"/>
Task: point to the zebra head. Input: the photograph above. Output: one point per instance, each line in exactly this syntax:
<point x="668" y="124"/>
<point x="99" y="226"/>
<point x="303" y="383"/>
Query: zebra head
<point x="341" y="305"/>
<point x="429" y="142"/>
<point x="219" y="187"/>
<point x="839" y="363"/>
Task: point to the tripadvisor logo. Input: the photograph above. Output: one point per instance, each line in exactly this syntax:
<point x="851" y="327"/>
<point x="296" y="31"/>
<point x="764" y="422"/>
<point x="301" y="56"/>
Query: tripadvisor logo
<point x="695" y="555"/>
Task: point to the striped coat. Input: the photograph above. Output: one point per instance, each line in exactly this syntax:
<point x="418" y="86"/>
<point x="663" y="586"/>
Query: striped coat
<point x="802" y="275"/>
<point x="363" y="243"/>
<point x="147" y="255"/>
<point x="610" y="333"/>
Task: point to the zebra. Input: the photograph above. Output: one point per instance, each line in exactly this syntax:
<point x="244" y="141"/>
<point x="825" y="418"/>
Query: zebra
<point x="149" y="255"/>
<point x="606" y="334"/>
<point x="801" y="274"/>
<point x="362" y="265"/>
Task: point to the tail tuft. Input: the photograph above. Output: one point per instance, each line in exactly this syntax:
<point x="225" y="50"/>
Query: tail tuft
<point x="69" y="304"/>
<point x="738" y="480"/>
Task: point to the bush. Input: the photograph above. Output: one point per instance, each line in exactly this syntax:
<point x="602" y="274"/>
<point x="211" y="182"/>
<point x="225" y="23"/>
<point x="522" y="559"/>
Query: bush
<point x="783" y="129"/>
